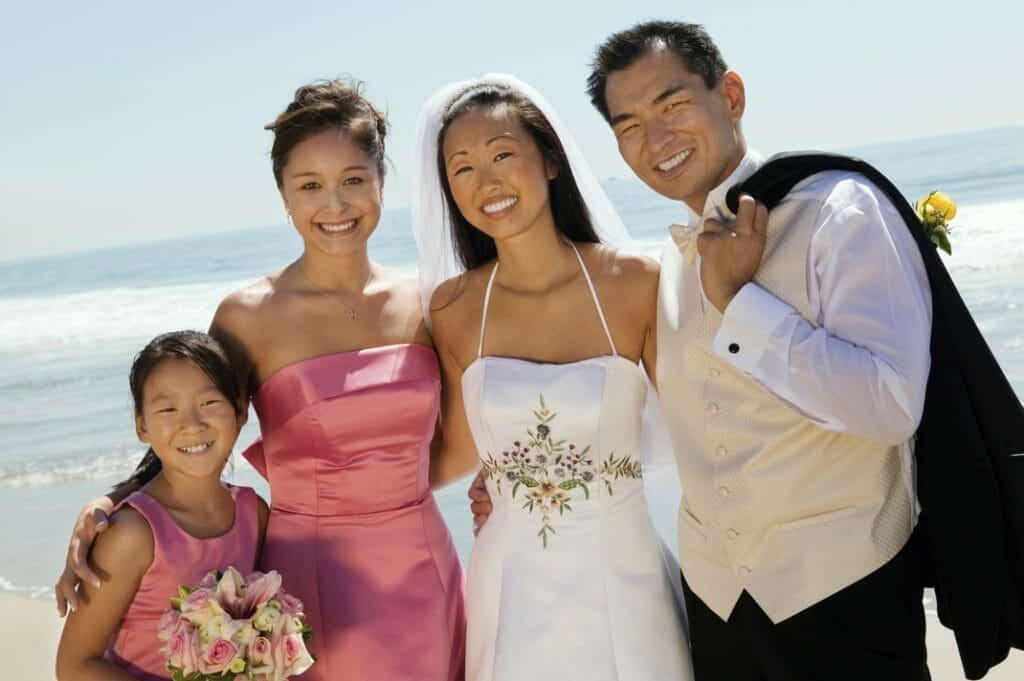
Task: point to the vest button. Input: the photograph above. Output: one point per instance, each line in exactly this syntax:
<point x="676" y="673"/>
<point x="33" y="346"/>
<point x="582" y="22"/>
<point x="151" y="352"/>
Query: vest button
<point x="721" y="451"/>
<point x="723" y="492"/>
<point x="732" y="534"/>
<point x="713" y="407"/>
<point x="715" y="373"/>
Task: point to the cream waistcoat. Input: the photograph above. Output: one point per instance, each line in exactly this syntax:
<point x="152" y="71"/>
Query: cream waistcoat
<point x="773" y="504"/>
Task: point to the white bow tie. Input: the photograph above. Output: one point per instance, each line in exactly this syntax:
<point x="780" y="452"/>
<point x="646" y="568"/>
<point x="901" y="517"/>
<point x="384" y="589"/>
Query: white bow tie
<point x="685" y="239"/>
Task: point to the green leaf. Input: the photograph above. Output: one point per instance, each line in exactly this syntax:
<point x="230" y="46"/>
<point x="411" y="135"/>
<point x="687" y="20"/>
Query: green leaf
<point x="941" y="239"/>
<point x="586" y="490"/>
<point x="569" y="484"/>
<point x="515" y="488"/>
<point x="528" y="481"/>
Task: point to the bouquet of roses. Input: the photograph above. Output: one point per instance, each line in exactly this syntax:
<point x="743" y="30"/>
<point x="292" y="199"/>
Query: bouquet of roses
<point x="230" y="628"/>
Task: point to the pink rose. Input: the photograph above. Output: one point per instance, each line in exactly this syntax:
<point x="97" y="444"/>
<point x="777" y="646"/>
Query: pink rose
<point x="290" y="656"/>
<point x="197" y="600"/>
<point x="260" y="588"/>
<point x="290" y="605"/>
<point x="217" y="657"/>
<point x="175" y="649"/>
<point x="192" y="653"/>
<point x="168" y="623"/>
<point x="260" y="650"/>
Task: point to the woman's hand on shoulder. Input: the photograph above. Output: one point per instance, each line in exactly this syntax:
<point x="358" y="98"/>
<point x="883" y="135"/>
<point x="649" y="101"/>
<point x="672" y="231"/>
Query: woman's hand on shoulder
<point x="93" y="519"/>
<point x="121" y="556"/>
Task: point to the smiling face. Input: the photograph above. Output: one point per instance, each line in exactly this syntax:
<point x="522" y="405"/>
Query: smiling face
<point x="186" y="419"/>
<point x="333" y="191"/>
<point x="498" y="177"/>
<point x="679" y="136"/>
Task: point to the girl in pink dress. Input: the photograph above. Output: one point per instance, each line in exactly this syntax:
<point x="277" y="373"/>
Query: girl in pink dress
<point x="180" y="523"/>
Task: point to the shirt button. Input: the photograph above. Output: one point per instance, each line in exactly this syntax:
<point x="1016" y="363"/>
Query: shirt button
<point x="713" y="407"/>
<point x="732" y="534"/>
<point x="723" y="492"/>
<point x="721" y="451"/>
<point x="715" y="373"/>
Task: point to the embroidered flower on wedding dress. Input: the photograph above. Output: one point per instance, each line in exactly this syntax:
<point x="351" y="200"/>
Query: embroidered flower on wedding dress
<point x="551" y="469"/>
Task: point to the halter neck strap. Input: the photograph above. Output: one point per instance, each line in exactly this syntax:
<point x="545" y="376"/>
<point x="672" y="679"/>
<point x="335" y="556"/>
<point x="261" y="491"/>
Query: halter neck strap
<point x="590" y="285"/>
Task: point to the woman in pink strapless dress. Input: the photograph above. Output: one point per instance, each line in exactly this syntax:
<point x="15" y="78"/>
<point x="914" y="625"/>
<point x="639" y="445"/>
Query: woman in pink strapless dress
<point x="353" y="528"/>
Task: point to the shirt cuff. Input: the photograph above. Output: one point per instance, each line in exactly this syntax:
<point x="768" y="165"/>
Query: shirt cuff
<point x="750" y="328"/>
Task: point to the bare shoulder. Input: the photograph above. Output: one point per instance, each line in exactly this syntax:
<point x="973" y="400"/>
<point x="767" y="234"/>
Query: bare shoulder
<point x="456" y="306"/>
<point x="456" y="300"/>
<point x="401" y="289"/>
<point x="241" y="309"/>
<point x="621" y="269"/>
<point x="402" y="304"/>
<point x="127" y="545"/>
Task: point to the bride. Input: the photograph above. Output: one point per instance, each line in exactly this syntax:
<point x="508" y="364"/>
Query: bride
<point x="540" y="324"/>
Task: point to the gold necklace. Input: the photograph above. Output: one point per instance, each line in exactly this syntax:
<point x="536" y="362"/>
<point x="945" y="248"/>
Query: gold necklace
<point x="351" y="313"/>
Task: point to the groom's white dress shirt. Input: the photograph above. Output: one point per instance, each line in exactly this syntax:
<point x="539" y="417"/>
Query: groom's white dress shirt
<point x="791" y="414"/>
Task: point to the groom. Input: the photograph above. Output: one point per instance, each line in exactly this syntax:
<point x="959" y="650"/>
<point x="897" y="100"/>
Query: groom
<point x="793" y="360"/>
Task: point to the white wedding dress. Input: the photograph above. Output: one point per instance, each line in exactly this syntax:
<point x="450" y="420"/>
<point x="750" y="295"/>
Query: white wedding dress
<point x="568" y="579"/>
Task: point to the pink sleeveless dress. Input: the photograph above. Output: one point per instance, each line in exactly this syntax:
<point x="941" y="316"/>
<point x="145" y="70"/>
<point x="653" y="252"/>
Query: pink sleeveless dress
<point x="178" y="559"/>
<point x="354" y="529"/>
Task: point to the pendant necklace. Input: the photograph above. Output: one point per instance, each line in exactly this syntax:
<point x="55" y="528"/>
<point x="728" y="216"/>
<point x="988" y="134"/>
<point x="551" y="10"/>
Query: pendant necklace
<point x="351" y="313"/>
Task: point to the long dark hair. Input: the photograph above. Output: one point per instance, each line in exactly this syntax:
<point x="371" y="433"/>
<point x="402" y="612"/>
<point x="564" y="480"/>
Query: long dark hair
<point x="196" y="347"/>
<point x="474" y="248"/>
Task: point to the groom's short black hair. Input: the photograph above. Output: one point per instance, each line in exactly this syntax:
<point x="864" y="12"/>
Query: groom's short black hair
<point x="690" y="42"/>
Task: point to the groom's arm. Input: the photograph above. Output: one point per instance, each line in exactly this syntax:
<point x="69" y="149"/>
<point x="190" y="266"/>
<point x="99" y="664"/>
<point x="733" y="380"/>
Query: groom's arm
<point x="865" y="368"/>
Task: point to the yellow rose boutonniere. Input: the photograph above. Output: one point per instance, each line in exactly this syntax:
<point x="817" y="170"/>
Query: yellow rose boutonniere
<point x="935" y="212"/>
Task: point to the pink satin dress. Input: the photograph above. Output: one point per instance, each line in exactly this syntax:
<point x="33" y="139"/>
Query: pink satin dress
<point x="179" y="559"/>
<point x="354" y="529"/>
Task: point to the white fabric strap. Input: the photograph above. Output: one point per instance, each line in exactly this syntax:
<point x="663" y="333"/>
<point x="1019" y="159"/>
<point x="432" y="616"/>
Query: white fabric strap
<point x="597" y="301"/>
<point x="483" y="315"/>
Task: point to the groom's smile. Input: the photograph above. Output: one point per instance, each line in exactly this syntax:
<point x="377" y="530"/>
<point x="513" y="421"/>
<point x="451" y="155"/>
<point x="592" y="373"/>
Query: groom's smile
<point x="677" y="133"/>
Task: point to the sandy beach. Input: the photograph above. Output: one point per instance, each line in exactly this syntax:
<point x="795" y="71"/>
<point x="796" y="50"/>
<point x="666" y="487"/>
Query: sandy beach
<point x="30" y="630"/>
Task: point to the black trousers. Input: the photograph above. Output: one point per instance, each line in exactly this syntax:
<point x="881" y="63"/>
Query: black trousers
<point x="873" y="630"/>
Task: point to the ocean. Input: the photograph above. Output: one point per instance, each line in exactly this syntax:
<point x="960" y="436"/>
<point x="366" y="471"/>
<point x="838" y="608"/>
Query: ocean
<point x="69" y="326"/>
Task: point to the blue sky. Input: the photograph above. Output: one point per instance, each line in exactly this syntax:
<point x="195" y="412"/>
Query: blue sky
<point x="135" y="121"/>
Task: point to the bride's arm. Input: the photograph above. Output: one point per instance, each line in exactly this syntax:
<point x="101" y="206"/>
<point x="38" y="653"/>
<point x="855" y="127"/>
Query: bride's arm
<point x="453" y="455"/>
